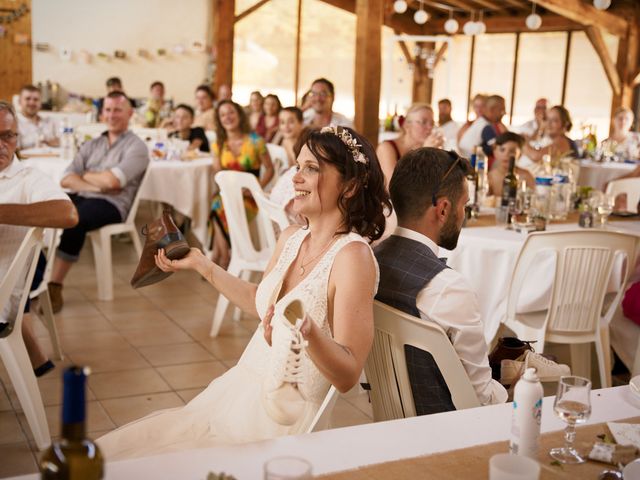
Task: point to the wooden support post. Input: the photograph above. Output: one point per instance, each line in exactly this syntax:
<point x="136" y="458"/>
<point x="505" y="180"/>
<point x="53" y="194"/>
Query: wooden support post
<point x="422" y="84"/>
<point x="223" y="23"/>
<point x="470" y="81"/>
<point x="626" y="68"/>
<point x="296" y="73"/>
<point x="368" y="69"/>
<point x="565" y="73"/>
<point x="15" y="59"/>
<point x="513" y="78"/>
<point x="594" y="34"/>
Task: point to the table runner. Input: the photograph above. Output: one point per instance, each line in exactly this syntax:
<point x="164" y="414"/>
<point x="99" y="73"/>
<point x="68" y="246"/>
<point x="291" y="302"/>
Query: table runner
<point x="473" y="462"/>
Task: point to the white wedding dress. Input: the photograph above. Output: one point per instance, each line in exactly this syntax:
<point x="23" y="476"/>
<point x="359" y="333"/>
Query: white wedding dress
<point x="230" y="409"/>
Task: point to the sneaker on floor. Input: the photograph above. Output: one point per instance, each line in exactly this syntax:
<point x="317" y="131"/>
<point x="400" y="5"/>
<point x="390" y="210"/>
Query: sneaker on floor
<point x="55" y="294"/>
<point x="281" y="397"/>
<point x="547" y="370"/>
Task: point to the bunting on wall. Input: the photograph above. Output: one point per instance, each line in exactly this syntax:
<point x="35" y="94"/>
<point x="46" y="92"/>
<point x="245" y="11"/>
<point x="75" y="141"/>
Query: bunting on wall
<point x="85" y="56"/>
<point x="10" y="15"/>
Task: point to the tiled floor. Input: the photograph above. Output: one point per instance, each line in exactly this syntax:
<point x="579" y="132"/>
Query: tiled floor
<point x="148" y="349"/>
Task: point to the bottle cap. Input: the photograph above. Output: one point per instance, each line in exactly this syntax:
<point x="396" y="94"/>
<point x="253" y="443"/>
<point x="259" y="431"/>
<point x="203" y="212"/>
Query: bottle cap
<point x="530" y="375"/>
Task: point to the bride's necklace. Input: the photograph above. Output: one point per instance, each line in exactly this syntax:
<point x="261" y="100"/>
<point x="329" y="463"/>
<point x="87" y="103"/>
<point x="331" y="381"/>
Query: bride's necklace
<point x="302" y="270"/>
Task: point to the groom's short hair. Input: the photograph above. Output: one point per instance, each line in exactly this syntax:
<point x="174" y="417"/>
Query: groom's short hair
<point x="418" y="179"/>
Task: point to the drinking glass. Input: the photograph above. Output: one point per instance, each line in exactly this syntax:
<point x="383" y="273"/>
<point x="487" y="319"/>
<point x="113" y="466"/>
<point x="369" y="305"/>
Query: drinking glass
<point x="287" y="468"/>
<point x="572" y="405"/>
<point x="605" y="207"/>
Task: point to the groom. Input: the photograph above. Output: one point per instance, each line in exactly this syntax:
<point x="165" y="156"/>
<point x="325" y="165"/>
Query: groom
<point x="429" y="191"/>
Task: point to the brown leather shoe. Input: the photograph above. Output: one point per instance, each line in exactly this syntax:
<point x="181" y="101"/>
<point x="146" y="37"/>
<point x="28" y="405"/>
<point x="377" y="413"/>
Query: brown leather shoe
<point x="55" y="294"/>
<point x="161" y="233"/>
<point x="507" y="348"/>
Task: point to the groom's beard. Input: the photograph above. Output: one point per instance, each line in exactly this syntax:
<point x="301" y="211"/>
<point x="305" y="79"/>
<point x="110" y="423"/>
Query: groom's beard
<point x="450" y="233"/>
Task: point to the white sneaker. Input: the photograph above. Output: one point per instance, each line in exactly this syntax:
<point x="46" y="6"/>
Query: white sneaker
<point x="281" y="396"/>
<point x="547" y="370"/>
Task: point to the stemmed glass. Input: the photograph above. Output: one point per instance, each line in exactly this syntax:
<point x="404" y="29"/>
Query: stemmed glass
<point x="605" y="207"/>
<point x="572" y="405"/>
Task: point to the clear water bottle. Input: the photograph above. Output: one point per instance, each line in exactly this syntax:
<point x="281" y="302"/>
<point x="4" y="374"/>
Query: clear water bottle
<point x="67" y="141"/>
<point x="527" y="415"/>
<point x="542" y="197"/>
<point x="481" y="167"/>
<point x="560" y="196"/>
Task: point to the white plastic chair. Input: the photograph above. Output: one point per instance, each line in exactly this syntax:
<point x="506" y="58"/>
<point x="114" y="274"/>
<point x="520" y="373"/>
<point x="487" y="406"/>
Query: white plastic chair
<point x="51" y="238"/>
<point x="323" y="416"/>
<point x="274" y="210"/>
<point x="280" y="162"/>
<point x="12" y="349"/>
<point x="245" y="258"/>
<point x="386" y="367"/>
<point x="101" y="243"/>
<point x="630" y="186"/>
<point x="584" y="262"/>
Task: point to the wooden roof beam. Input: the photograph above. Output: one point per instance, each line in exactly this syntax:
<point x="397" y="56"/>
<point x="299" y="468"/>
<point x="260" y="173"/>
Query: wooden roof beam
<point x="586" y="14"/>
<point x="597" y="40"/>
<point x="402" y="23"/>
<point x="250" y="10"/>
<point x="510" y="24"/>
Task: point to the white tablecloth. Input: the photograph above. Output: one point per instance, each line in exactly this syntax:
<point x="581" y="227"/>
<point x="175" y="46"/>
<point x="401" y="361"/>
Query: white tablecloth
<point x="348" y="448"/>
<point x="596" y="175"/>
<point x="185" y="185"/>
<point x="486" y="257"/>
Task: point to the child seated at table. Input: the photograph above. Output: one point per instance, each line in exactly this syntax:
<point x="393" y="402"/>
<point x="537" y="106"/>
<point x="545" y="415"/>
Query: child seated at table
<point x="507" y="145"/>
<point x="182" y="121"/>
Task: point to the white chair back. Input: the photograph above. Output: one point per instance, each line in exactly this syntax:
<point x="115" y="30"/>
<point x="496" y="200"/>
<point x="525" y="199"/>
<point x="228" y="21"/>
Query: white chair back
<point x="231" y="184"/>
<point x="630" y="186"/>
<point x="280" y="162"/>
<point x="274" y="210"/>
<point x="91" y="130"/>
<point x="584" y="261"/>
<point x="136" y="200"/>
<point x="151" y="133"/>
<point x="12" y="349"/>
<point x="386" y="367"/>
<point x="322" y="418"/>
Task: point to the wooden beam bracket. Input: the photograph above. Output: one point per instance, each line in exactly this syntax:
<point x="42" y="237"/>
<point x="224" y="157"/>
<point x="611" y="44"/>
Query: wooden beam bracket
<point x="597" y="40"/>
<point x="250" y="10"/>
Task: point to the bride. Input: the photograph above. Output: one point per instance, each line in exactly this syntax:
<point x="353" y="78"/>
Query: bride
<point x="316" y="305"/>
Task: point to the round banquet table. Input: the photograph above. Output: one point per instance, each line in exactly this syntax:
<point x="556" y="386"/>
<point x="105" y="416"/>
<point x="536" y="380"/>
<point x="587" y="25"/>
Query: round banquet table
<point x="486" y="257"/>
<point x="186" y="185"/>
<point x="597" y="174"/>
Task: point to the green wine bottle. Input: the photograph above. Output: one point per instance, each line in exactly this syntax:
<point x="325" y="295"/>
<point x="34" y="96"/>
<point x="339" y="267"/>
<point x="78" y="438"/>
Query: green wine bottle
<point x="74" y="456"/>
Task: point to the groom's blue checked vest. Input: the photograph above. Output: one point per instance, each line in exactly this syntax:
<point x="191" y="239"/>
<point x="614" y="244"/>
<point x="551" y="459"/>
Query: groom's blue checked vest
<point x="406" y="267"/>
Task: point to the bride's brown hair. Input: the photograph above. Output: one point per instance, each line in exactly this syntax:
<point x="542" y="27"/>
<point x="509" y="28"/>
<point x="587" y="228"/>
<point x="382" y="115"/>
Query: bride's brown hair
<point x="364" y="199"/>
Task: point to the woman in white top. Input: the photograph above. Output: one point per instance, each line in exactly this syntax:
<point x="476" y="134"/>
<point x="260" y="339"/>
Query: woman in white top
<point x="327" y="268"/>
<point x="623" y="142"/>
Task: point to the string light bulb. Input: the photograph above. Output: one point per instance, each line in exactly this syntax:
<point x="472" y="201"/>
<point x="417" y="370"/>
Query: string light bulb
<point x="533" y="20"/>
<point x="400" y="6"/>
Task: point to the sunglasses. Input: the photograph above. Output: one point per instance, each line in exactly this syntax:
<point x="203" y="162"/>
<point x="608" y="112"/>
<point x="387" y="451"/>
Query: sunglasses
<point x="456" y="160"/>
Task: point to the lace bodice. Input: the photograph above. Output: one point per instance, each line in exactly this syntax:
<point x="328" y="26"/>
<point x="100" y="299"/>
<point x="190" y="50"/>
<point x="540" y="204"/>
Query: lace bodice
<point x="312" y="290"/>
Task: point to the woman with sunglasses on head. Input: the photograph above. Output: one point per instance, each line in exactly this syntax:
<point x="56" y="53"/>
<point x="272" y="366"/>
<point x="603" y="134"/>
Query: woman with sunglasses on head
<point x="417" y="131"/>
<point x="315" y="302"/>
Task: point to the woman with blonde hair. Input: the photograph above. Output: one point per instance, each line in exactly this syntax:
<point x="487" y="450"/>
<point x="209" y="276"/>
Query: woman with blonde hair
<point x="623" y="142"/>
<point x="417" y="131"/>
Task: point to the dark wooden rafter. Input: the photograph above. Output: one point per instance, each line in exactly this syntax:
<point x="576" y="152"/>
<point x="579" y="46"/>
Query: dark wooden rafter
<point x="440" y="53"/>
<point x="403" y="23"/>
<point x="597" y="41"/>
<point x="509" y="24"/>
<point x="565" y="71"/>
<point x="586" y="14"/>
<point x="250" y="10"/>
<point x="514" y="77"/>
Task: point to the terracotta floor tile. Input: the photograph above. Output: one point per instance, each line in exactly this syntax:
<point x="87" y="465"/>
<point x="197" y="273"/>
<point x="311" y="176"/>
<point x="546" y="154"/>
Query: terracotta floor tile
<point x="10" y="429"/>
<point x="97" y="419"/>
<point x="189" y="394"/>
<point x="127" y="383"/>
<point x="132" y="320"/>
<point x="73" y="342"/>
<point x="183" y="301"/>
<point x="81" y="324"/>
<point x="191" y="375"/>
<point x="78" y="309"/>
<point x="126" y="305"/>
<point x="166" y="335"/>
<point x="125" y="410"/>
<point x="109" y="360"/>
<point x="175" y="354"/>
<point x="226" y="348"/>
<point x="17" y="459"/>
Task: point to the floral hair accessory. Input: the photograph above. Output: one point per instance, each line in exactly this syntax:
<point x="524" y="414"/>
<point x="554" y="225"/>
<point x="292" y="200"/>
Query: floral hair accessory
<point x="351" y="143"/>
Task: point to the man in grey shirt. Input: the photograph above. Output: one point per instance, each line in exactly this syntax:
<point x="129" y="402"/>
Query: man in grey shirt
<point x="105" y="176"/>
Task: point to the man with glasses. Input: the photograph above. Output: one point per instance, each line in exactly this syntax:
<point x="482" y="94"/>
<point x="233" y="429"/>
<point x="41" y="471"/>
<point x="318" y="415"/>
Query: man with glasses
<point x="28" y="198"/>
<point x="429" y="191"/>
<point x="321" y="113"/>
<point x="34" y="129"/>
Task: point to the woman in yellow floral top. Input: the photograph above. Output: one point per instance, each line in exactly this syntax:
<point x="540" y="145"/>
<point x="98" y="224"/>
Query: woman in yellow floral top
<point x="236" y="148"/>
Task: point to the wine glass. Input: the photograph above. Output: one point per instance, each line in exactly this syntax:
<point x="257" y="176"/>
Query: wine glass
<point x="287" y="468"/>
<point x="572" y="405"/>
<point x="605" y="207"/>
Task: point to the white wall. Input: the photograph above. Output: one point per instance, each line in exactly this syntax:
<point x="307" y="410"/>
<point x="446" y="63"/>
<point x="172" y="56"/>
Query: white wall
<point x="129" y="25"/>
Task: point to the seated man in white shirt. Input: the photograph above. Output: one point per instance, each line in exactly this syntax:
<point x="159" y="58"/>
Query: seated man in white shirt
<point x="321" y="113"/>
<point x="28" y="198"/>
<point x="429" y="191"/>
<point x="34" y="130"/>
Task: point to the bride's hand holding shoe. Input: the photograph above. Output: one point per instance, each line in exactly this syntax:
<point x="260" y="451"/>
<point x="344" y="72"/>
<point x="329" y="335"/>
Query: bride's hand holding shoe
<point x="194" y="260"/>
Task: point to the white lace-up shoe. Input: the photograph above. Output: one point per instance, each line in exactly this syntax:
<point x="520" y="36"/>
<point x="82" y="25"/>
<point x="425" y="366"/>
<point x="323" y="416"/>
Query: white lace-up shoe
<point x="547" y="370"/>
<point x="281" y="397"/>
